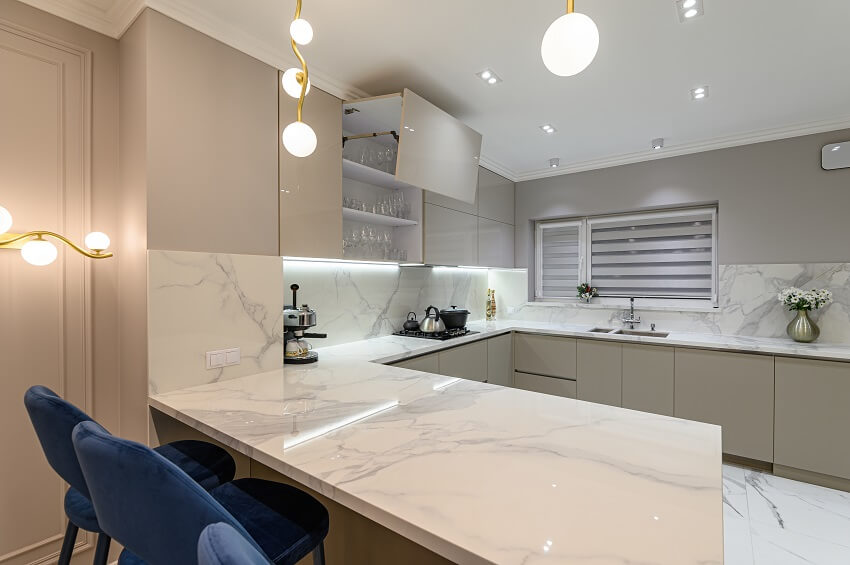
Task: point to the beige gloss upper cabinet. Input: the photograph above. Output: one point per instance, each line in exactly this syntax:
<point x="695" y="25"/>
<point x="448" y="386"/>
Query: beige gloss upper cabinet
<point x="466" y="361"/>
<point x="495" y="197"/>
<point x="500" y="363"/>
<point x="599" y="371"/>
<point x="436" y="151"/>
<point x="545" y="355"/>
<point x="311" y="187"/>
<point x="733" y="390"/>
<point x="812" y="416"/>
<point x="451" y="237"/>
<point x="648" y="378"/>
<point x="495" y="244"/>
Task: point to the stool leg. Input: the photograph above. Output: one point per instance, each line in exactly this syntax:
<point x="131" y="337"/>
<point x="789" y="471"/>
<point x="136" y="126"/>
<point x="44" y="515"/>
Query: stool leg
<point x="68" y="544"/>
<point x="101" y="552"/>
<point x="319" y="554"/>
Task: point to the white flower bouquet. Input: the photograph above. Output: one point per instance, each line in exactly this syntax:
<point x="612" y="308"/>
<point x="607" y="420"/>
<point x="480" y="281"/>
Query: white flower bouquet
<point x="798" y="299"/>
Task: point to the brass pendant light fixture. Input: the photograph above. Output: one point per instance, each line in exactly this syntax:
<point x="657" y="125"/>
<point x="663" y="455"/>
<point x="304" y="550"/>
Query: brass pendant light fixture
<point x="298" y="137"/>
<point x="570" y="44"/>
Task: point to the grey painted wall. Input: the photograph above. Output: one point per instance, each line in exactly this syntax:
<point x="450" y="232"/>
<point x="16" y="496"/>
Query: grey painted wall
<point x="776" y="204"/>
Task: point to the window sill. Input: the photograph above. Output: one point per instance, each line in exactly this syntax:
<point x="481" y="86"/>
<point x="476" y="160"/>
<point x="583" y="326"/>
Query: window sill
<point x="644" y="304"/>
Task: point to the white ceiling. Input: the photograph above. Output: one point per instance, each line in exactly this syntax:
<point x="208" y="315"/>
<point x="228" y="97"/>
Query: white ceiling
<point x="776" y="68"/>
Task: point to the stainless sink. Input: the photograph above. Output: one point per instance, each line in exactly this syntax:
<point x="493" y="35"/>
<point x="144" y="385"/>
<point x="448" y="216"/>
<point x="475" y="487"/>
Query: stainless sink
<point x="601" y="330"/>
<point x="641" y="333"/>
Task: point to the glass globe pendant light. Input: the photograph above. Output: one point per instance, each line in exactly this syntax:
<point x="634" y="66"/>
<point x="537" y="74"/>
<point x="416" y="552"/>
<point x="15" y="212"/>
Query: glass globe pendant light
<point x="39" y="252"/>
<point x="298" y="138"/>
<point x="570" y="44"/>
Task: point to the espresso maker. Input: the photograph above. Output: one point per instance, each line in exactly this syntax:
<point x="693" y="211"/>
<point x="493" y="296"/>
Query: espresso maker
<point x="296" y="349"/>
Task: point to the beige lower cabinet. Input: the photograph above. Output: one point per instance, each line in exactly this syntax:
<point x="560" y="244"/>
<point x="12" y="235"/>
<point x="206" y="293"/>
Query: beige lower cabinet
<point x="466" y="361"/>
<point x="599" y="371"/>
<point x="733" y="390"/>
<point x="813" y="416"/>
<point x="545" y="355"/>
<point x="648" y="378"/>
<point x="425" y="363"/>
<point x="547" y="385"/>
<point x="500" y="362"/>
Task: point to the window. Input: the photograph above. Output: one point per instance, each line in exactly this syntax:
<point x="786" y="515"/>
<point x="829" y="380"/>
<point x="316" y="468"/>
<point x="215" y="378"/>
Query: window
<point x="664" y="254"/>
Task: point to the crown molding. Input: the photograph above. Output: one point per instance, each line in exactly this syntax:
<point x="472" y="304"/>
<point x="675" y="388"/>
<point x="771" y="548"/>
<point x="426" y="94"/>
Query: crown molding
<point x="107" y="22"/>
<point x="748" y="138"/>
<point x="497" y="167"/>
<point x="208" y="24"/>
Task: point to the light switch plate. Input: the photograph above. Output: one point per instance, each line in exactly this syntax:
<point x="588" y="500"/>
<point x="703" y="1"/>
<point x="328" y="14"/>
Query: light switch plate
<point x="224" y="358"/>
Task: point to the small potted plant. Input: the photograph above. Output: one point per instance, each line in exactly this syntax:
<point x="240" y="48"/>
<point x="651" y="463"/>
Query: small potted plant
<point x="802" y="328"/>
<point x="586" y="292"/>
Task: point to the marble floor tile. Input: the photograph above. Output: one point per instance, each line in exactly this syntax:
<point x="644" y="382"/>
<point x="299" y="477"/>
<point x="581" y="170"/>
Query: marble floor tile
<point x="770" y="520"/>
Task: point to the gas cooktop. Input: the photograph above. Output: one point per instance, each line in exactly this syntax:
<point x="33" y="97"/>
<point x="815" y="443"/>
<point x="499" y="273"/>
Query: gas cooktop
<point x="442" y="336"/>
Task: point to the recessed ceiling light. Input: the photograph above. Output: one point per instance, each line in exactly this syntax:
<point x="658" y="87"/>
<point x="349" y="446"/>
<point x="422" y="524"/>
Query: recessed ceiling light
<point x="689" y="9"/>
<point x="554" y="162"/>
<point x="547" y="128"/>
<point x="658" y="143"/>
<point x="489" y="76"/>
<point x="836" y="148"/>
<point x="699" y="93"/>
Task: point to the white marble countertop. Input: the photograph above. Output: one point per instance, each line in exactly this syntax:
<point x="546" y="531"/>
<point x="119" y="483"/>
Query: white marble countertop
<point x="476" y="472"/>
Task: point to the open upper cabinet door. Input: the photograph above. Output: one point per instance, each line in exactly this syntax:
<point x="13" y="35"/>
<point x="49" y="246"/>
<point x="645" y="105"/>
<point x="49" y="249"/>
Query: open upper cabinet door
<point x="436" y="151"/>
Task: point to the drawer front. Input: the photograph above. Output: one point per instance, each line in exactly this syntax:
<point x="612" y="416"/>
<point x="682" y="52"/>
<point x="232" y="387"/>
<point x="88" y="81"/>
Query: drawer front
<point x="732" y="390"/>
<point x="465" y="362"/>
<point x="648" y="378"/>
<point x="812" y="416"/>
<point x="426" y="363"/>
<point x="546" y="385"/>
<point x="545" y="355"/>
<point x="600" y="372"/>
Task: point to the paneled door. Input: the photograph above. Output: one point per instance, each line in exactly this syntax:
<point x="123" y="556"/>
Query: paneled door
<point x="44" y="311"/>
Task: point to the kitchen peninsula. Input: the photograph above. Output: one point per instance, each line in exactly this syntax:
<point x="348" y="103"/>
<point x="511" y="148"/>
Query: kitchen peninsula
<point x="473" y="472"/>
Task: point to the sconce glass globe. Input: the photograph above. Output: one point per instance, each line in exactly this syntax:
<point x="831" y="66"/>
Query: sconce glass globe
<point x="301" y="31"/>
<point x="570" y="44"/>
<point x="290" y="83"/>
<point x="39" y="252"/>
<point x="299" y="139"/>
<point x="97" y="241"/>
<point x="5" y="220"/>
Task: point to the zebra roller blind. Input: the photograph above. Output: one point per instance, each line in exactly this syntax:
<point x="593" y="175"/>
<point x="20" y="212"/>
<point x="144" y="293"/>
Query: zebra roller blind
<point x="559" y="258"/>
<point x="663" y="254"/>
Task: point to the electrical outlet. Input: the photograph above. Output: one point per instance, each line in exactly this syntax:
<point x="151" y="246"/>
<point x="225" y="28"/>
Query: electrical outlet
<point x="224" y="358"/>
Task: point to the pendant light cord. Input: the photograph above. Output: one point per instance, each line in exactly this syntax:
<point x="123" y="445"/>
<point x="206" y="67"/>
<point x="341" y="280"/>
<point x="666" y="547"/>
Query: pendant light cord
<point x="304" y="73"/>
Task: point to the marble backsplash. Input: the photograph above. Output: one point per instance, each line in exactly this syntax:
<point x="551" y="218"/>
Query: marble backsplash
<point x="748" y="304"/>
<point x="198" y="302"/>
<point x="356" y="301"/>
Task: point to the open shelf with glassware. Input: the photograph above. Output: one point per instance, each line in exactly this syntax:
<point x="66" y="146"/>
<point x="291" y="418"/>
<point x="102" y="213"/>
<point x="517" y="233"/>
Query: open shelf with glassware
<point x="381" y="215"/>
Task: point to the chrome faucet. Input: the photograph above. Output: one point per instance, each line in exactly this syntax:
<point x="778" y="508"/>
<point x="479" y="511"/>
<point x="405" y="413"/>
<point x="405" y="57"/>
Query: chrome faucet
<point x="630" y="320"/>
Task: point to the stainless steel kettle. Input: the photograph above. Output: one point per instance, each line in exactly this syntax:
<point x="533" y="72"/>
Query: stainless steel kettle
<point x="432" y="324"/>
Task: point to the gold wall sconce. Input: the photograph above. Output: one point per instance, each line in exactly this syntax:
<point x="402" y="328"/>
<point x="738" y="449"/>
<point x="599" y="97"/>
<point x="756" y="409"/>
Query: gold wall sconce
<point x="38" y="251"/>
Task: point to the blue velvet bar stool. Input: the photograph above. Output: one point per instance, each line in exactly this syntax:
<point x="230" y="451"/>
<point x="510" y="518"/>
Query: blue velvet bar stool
<point x="282" y="522"/>
<point x="220" y="544"/>
<point x="54" y="419"/>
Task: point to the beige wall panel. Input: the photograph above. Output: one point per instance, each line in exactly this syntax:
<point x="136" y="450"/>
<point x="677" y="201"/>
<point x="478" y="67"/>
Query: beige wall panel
<point x="648" y="378"/>
<point x="465" y="361"/>
<point x="311" y="187"/>
<point x="55" y="152"/>
<point x="545" y="355"/>
<point x="812" y="416"/>
<point x="212" y="144"/>
<point x="546" y="385"/>
<point x="500" y="360"/>
<point x="732" y="390"/>
<point x="599" y="371"/>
